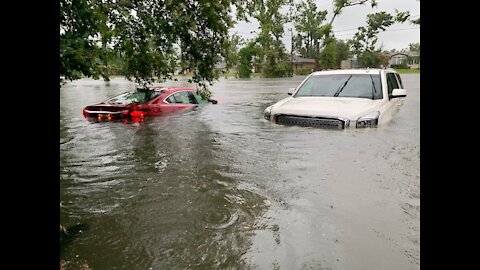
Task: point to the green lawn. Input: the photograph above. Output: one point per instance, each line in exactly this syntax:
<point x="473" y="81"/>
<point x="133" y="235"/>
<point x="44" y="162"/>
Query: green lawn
<point x="408" y="71"/>
<point x="231" y="75"/>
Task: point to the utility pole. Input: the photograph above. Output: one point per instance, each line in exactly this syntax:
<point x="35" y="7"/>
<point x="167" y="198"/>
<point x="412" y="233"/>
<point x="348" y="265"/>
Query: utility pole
<point x="291" y="51"/>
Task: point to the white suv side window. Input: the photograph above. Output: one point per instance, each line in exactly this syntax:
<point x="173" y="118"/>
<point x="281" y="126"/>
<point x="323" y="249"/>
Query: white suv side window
<point x="391" y="82"/>
<point x="400" y="83"/>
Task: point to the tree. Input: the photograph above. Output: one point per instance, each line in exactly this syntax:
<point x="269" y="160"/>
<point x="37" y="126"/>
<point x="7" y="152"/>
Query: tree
<point x="245" y="56"/>
<point x="273" y="53"/>
<point x="334" y="51"/>
<point x="232" y="51"/>
<point x="328" y="57"/>
<point x="414" y="47"/>
<point x="369" y="59"/>
<point x="366" y="37"/>
<point x="153" y="37"/>
<point x="80" y="22"/>
<point x="339" y="5"/>
<point x="384" y="59"/>
<point x="364" y="41"/>
<point x="315" y="37"/>
<point x="308" y="23"/>
<point x="342" y="51"/>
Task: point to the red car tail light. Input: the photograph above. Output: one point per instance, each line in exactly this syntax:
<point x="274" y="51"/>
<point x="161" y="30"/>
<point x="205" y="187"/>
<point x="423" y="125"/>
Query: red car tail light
<point x="136" y="114"/>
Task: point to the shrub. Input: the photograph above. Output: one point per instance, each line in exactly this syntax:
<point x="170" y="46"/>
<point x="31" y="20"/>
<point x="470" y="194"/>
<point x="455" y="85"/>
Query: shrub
<point x="277" y="70"/>
<point x="302" y="71"/>
<point x="400" y="66"/>
<point x="368" y="59"/>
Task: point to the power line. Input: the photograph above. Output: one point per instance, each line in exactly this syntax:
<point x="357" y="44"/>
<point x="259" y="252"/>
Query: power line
<point x="391" y="30"/>
<point x="402" y="29"/>
<point x="343" y="30"/>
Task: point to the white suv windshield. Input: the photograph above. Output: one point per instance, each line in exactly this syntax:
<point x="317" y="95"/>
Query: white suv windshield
<point x="342" y="85"/>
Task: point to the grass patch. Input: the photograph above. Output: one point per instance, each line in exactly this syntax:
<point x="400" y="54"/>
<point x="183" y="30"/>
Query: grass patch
<point x="235" y="75"/>
<point x="408" y="71"/>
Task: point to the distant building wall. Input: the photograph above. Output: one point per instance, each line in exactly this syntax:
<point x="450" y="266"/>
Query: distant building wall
<point x="398" y="59"/>
<point x="346" y="64"/>
<point x="411" y="59"/>
<point x="349" y="63"/>
<point x="299" y="62"/>
<point x="303" y="65"/>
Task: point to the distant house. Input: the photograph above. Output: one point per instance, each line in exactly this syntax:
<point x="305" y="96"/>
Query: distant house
<point x="349" y="63"/>
<point x="221" y="67"/>
<point x="300" y="62"/>
<point x="411" y="59"/>
<point x="257" y="65"/>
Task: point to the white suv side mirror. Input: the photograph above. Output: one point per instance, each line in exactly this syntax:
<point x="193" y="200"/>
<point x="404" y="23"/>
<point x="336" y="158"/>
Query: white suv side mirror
<point x="290" y="91"/>
<point x="397" y="92"/>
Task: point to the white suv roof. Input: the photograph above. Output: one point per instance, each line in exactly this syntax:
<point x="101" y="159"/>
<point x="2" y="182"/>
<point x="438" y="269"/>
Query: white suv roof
<point x="352" y="71"/>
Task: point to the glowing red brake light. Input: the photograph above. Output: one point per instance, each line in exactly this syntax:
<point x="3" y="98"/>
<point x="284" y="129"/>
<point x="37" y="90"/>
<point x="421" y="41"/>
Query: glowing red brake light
<point x="136" y="114"/>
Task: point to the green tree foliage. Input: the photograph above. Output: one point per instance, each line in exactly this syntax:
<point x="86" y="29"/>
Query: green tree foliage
<point x="328" y="57"/>
<point x="384" y="59"/>
<point x="414" y="47"/>
<point x="80" y="23"/>
<point x="333" y="53"/>
<point x="369" y="59"/>
<point x="232" y="51"/>
<point x="308" y="24"/>
<point x="366" y="37"/>
<point x="401" y="16"/>
<point x="152" y="37"/>
<point x="315" y="38"/>
<point x="245" y="56"/>
<point x="276" y="62"/>
<point x="339" y="5"/>
<point x="342" y="51"/>
<point x="364" y="41"/>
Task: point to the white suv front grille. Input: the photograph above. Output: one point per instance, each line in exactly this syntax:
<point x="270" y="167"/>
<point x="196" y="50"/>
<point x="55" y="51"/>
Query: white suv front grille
<point x="318" y="122"/>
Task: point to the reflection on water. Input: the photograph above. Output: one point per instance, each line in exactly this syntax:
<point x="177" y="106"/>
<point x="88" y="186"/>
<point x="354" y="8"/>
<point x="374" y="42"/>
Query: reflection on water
<point x="221" y="188"/>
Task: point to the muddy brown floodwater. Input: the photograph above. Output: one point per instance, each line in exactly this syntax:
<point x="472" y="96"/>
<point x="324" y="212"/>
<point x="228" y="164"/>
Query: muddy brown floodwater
<point x="221" y="188"/>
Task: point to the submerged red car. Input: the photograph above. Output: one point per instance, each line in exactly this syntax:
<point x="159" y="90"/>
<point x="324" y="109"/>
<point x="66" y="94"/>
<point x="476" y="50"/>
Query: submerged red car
<point x="142" y="102"/>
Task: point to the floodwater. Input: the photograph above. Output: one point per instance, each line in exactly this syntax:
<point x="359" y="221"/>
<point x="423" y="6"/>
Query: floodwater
<point x="221" y="188"/>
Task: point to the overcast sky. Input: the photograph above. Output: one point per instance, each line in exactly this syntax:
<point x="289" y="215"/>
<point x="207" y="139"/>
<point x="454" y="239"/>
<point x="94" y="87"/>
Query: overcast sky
<point x="397" y="36"/>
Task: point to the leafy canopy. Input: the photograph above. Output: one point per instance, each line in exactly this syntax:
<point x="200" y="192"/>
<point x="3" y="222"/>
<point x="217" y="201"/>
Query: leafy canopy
<point x="152" y="37"/>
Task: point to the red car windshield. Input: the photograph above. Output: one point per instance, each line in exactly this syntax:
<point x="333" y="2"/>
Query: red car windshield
<point x="137" y="96"/>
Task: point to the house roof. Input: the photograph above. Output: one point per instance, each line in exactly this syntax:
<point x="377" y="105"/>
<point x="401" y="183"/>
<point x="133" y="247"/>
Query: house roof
<point x="220" y="65"/>
<point x="299" y="59"/>
<point x="408" y="53"/>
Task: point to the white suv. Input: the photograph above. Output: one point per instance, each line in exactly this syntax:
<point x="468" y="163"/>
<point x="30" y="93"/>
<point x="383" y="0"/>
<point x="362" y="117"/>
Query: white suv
<point x="341" y="98"/>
